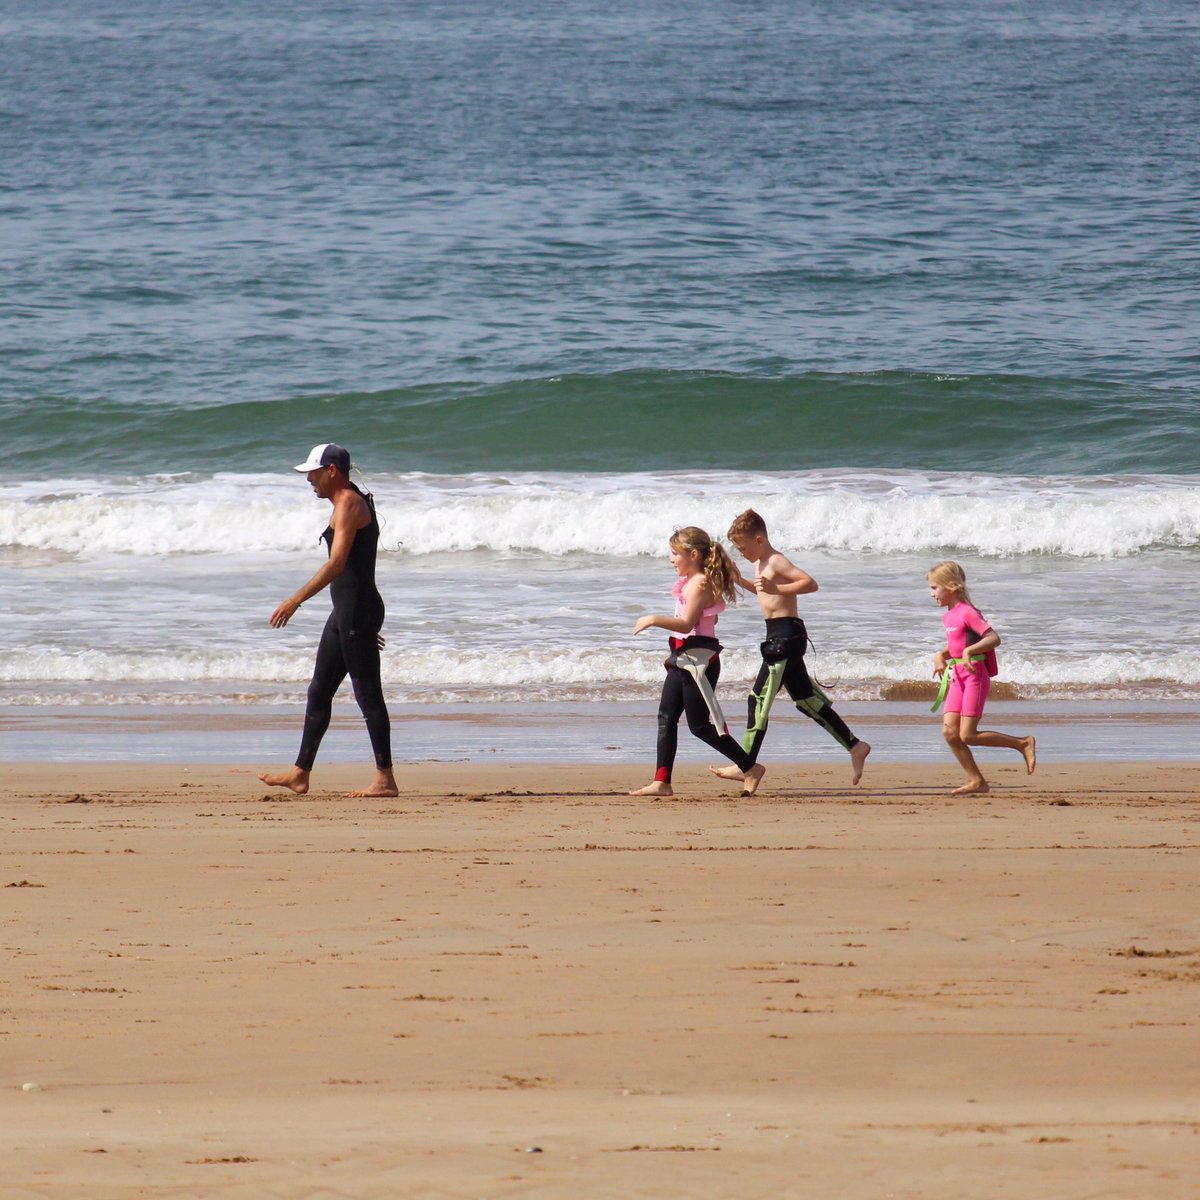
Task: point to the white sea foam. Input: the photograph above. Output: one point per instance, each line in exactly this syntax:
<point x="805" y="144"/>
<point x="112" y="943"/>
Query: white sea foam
<point x="617" y="515"/>
<point x="542" y="671"/>
<point x="523" y="587"/>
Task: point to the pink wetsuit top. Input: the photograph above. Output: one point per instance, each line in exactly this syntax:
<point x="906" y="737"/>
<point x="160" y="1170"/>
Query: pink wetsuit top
<point x="707" y="625"/>
<point x="969" y="686"/>
<point x="965" y="625"/>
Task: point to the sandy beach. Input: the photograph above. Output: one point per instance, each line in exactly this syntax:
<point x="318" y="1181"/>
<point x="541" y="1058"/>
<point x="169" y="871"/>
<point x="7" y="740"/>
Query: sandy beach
<point x="518" y="981"/>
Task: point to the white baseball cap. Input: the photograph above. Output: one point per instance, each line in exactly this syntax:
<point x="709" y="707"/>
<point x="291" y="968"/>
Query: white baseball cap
<point x="327" y="454"/>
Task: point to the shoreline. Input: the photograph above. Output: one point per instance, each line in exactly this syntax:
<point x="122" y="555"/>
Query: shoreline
<point x="516" y="979"/>
<point x="580" y="732"/>
<point x="1102" y="781"/>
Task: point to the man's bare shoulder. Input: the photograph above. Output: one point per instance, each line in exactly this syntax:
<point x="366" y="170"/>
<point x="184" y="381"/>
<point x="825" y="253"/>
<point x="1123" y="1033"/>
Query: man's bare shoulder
<point x="350" y="507"/>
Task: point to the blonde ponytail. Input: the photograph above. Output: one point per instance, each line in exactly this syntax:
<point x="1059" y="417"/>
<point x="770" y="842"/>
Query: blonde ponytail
<point x="720" y="575"/>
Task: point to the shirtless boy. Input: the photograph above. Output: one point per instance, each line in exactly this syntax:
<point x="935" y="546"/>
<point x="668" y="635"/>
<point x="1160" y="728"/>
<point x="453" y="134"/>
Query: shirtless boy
<point x="777" y="582"/>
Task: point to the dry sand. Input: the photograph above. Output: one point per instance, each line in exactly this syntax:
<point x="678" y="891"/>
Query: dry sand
<point x="517" y="981"/>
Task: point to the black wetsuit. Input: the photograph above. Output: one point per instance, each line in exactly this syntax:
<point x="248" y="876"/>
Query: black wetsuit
<point x="681" y="697"/>
<point x="787" y="640"/>
<point x="349" y="646"/>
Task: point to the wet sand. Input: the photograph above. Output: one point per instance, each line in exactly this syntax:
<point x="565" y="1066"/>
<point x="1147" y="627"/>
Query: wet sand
<point x="519" y="981"/>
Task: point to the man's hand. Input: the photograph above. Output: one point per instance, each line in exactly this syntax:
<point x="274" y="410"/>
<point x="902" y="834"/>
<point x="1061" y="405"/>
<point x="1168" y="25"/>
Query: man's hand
<point x="284" y="613"/>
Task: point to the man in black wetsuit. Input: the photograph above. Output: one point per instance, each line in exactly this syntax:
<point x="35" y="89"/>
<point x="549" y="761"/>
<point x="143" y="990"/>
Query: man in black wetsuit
<point x="350" y="643"/>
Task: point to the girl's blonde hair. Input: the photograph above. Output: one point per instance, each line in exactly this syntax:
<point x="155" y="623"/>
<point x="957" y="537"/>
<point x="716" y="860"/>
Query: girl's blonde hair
<point x="951" y="576"/>
<point x="720" y="574"/>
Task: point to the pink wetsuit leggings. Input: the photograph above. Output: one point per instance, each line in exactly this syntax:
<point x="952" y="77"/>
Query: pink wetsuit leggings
<point x="968" y="691"/>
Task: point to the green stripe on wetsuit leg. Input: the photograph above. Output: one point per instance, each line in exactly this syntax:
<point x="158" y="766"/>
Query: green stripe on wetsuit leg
<point x="762" y="703"/>
<point x="816" y="706"/>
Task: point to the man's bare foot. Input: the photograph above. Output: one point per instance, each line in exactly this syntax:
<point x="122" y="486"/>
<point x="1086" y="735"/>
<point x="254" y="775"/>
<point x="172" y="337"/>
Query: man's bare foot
<point x="658" y="787"/>
<point x="295" y="779"/>
<point x="384" y="785"/>
<point x="974" y="788"/>
<point x="858" y="759"/>
<point x="729" y="772"/>
<point x="1029" y="750"/>
<point x="753" y="778"/>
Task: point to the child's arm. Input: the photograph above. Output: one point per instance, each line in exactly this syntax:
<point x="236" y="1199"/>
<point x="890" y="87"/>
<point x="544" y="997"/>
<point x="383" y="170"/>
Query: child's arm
<point x="988" y="641"/>
<point x="696" y="598"/>
<point x="786" y="579"/>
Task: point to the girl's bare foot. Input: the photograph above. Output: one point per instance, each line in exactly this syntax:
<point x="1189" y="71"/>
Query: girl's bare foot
<point x="384" y="785"/>
<point x="753" y="778"/>
<point x="1029" y="750"/>
<point x="294" y="779"/>
<point x="975" y="788"/>
<point x="858" y="758"/>
<point x="657" y="788"/>
<point x="727" y="772"/>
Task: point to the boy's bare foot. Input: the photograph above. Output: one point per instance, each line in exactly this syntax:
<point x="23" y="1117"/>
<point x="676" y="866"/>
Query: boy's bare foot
<point x="974" y="788"/>
<point x="1029" y="750"/>
<point x="657" y="788"/>
<point x="753" y="778"/>
<point x="384" y="785"/>
<point x="729" y="772"/>
<point x="858" y="759"/>
<point x="294" y="779"/>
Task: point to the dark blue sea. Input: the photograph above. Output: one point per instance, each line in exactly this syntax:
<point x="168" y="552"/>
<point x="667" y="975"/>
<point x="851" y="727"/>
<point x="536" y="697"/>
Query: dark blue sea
<point x="914" y="280"/>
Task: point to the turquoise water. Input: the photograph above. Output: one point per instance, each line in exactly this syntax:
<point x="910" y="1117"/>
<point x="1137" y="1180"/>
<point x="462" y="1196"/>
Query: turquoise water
<point x="916" y="280"/>
<point x="378" y="207"/>
<point x="637" y="420"/>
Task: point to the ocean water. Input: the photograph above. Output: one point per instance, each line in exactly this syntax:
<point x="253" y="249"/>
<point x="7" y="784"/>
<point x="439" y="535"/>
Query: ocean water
<point x="915" y="281"/>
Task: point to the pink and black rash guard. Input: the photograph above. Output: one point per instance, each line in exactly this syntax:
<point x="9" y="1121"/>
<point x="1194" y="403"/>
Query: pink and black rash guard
<point x="706" y="626"/>
<point x="965" y="625"/>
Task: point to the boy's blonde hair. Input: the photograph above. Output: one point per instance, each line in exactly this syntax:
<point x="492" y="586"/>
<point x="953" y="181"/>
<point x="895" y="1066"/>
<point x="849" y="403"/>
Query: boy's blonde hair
<point x="747" y="524"/>
<point x="719" y="572"/>
<point x="951" y="576"/>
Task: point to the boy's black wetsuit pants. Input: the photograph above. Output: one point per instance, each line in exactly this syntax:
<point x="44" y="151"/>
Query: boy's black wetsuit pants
<point x="783" y="667"/>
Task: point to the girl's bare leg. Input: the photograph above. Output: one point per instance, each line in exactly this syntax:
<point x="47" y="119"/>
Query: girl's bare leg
<point x="656" y="787"/>
<point x="858" y="758"/>
<point x="953" y="729"/>
<point x="1025" y="746"/>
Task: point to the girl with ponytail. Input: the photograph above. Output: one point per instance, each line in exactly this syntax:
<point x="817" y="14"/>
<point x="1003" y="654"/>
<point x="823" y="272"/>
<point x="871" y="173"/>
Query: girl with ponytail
<point x="707" y="581"/>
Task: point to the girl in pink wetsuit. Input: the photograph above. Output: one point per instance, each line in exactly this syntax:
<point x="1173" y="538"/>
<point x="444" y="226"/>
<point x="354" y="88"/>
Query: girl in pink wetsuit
<point x="970" y="657"/>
